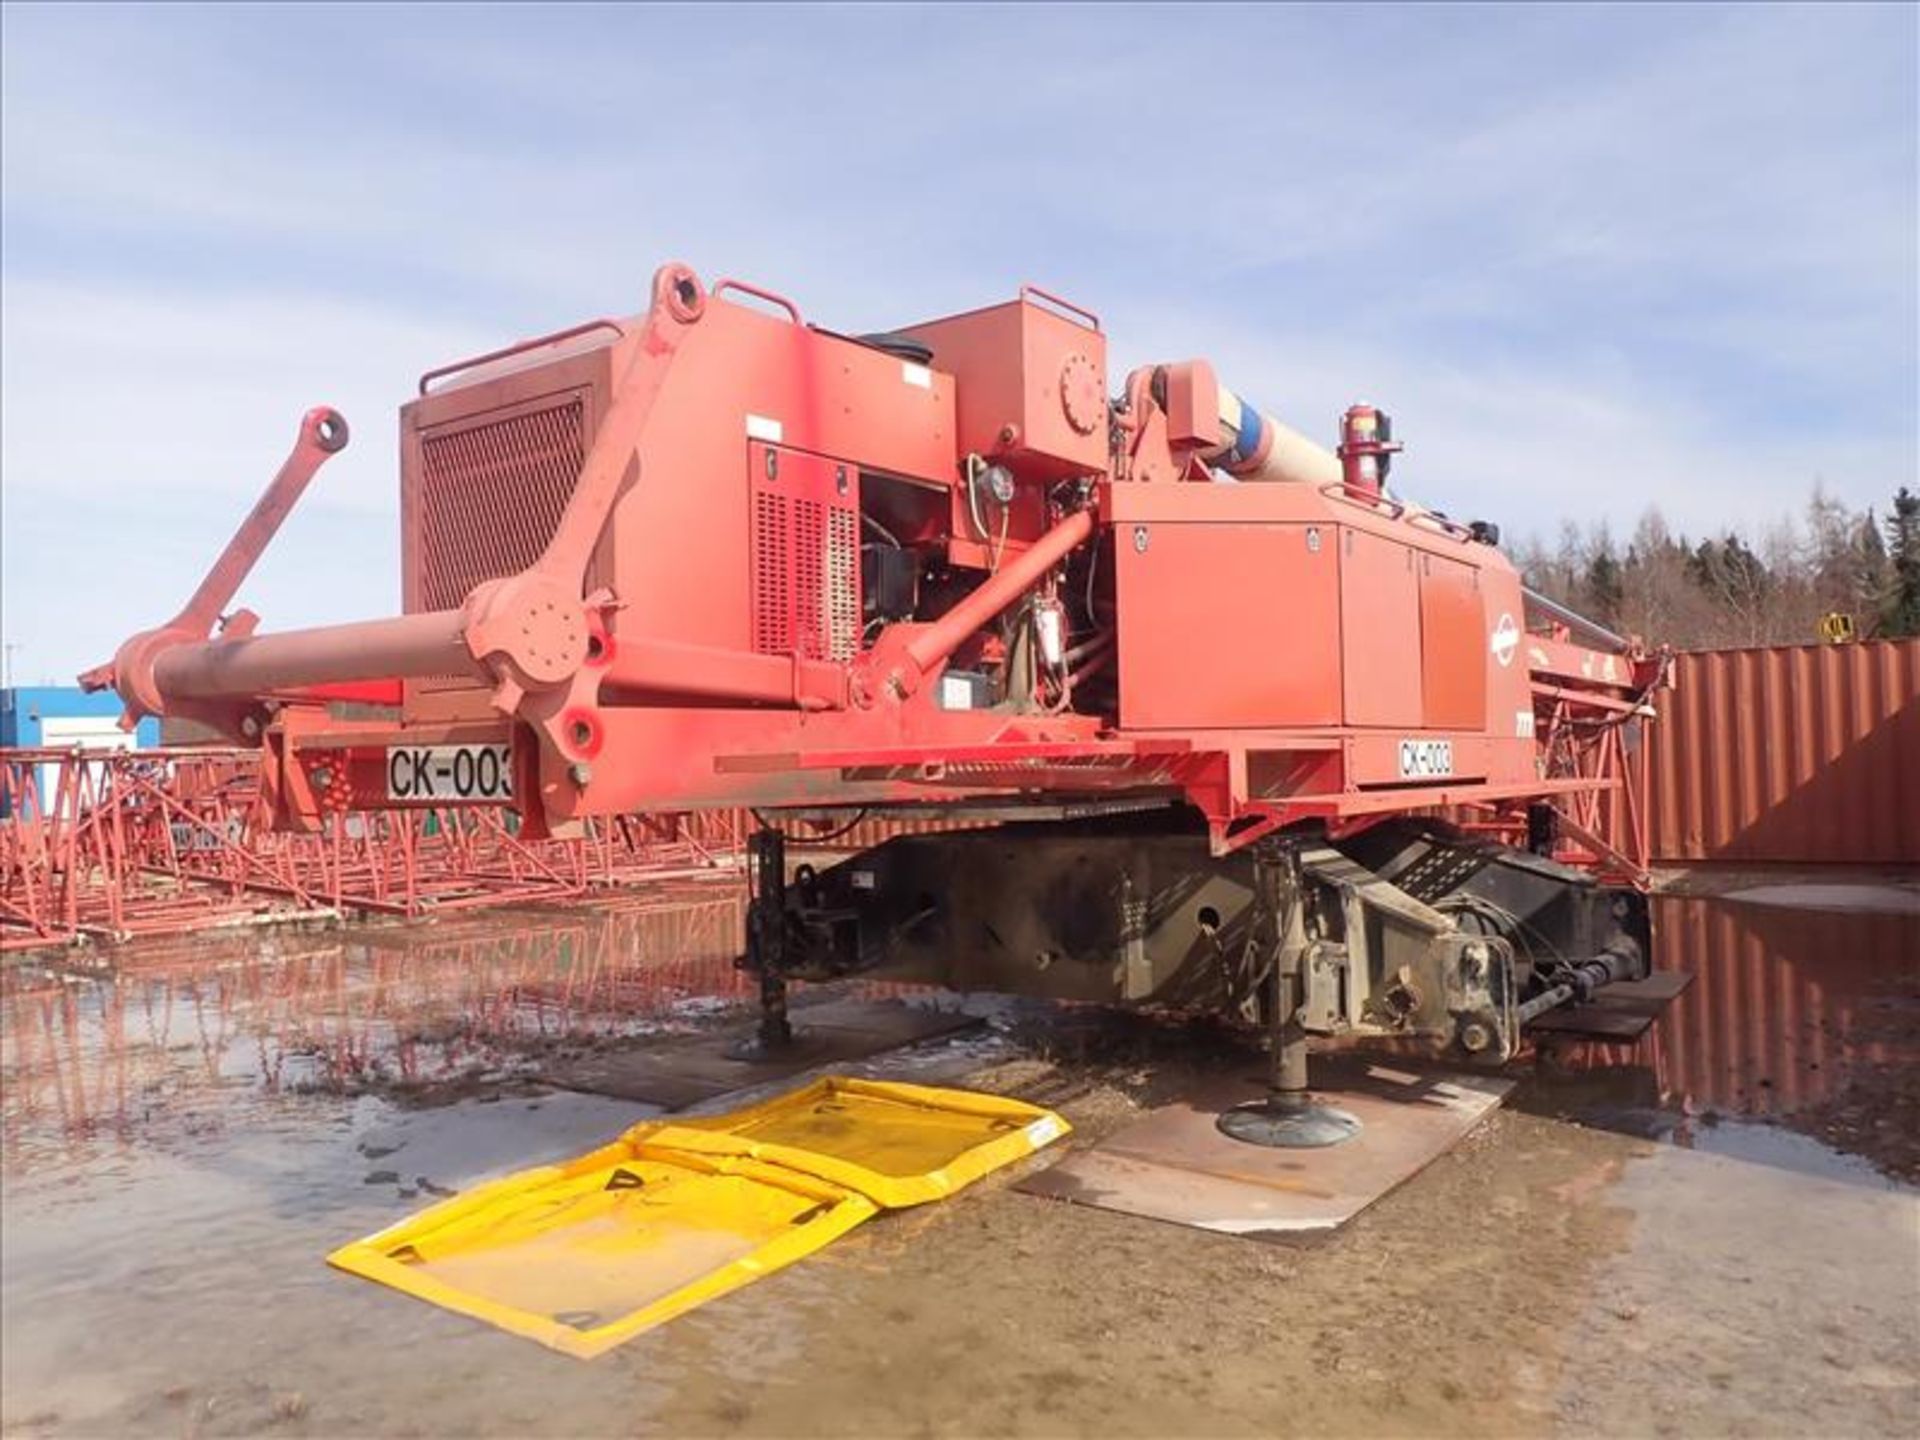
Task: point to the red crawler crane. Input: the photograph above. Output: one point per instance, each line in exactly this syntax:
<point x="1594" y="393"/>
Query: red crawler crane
<point x="712" y="556"/>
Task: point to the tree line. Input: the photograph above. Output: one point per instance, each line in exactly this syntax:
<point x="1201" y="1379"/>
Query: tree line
<point x="1773" y="586"/>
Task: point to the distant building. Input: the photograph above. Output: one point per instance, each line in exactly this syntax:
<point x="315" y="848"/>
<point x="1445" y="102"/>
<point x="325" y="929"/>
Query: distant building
<point x="62" y="717"/>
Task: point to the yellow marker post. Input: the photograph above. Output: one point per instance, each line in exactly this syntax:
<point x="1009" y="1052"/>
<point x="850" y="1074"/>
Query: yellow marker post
<point x="1836" y="628"/>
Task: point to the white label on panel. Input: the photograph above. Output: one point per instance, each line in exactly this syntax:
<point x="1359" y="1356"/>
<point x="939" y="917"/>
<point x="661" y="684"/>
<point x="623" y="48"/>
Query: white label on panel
<point x="1425" y="759"/>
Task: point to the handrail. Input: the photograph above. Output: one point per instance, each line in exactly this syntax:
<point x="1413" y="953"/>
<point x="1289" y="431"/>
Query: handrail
<point x="1364" y="499"/>
<point x="519" y="348"/>
<point x="1446" y="524"/>
<point x="1575" y="622"/>
<point x="1398" y="509"/>
<point x="1093" y="320"/>
<point x="793" y="310"/>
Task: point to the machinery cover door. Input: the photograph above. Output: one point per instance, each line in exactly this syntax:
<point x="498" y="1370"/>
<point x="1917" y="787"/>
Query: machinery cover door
<point x="1453" y="645"/>
<point x="1226" y="626"/>
<point x="1380" y="631"/>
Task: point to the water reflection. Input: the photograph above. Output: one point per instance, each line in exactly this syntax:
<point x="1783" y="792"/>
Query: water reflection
<point x="1797" y="1021"/>
<point x="1786" y="1008"/>
<point x="180" y="1033"/>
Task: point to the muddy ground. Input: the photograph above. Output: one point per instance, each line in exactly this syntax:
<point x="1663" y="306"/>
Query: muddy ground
<point x="1638" y="1244"/>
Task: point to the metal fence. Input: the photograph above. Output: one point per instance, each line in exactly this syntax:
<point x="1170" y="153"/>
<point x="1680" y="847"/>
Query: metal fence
<point x="111" y="844"/>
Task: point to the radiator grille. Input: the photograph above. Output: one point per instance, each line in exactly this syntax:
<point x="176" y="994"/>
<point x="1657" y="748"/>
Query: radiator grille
<point x="490" y="497"/>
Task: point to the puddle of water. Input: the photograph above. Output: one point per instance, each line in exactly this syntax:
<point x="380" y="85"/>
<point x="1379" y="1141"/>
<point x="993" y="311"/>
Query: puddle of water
<point x="1786" y="1294"/>
<point x="1791" y="1010"/>
<point x="1889" y="899"/>
<point x="186" y="1131"/>
<point x="188" y="1134"/>
<point x="185" y="1035"/>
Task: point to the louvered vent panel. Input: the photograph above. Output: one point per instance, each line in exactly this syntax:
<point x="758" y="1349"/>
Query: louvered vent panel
<point x="490" y="497"/>
<point x="772" y="575"/>
<point x="806" y="558"/>
<point x="843" y="583"/>
<point x="809" y="570"/>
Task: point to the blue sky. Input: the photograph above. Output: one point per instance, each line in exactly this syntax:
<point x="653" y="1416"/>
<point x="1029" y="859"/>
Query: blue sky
<point x="1590" y="258"/>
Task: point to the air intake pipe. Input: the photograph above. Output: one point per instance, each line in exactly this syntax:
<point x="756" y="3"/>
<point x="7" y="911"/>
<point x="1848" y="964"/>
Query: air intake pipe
<point x="1229" y="434"/>
<point x="1259" y="448"/>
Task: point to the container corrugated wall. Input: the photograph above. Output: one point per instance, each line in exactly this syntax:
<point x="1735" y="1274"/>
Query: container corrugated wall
<point x="874" y="826"/>
<point x="1794" y="754"/>
<point x="880" y="826"/>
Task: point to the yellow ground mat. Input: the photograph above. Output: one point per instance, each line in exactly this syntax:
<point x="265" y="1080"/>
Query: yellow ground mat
<point x="588" y="1253"/>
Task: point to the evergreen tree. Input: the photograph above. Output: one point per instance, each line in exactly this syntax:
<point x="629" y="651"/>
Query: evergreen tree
<point x="1902" y="613"/>
<point x="1766" y="585"/>
<point x="1605" y="585"/>
<point x="1871" y="579"/>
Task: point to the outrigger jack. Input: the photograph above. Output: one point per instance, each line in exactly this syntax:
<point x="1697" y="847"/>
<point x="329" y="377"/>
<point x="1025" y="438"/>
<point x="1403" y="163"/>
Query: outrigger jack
<point x="1288" y="1119"/>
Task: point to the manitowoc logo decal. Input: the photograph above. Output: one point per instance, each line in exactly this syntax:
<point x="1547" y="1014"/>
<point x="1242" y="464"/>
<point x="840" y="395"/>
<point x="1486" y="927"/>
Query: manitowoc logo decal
<point x="1505" y="639"/>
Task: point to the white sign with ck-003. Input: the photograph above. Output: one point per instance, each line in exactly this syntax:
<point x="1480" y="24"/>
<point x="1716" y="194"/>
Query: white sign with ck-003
<point x="449" y="772"/>
<point x="1425" y="759"/>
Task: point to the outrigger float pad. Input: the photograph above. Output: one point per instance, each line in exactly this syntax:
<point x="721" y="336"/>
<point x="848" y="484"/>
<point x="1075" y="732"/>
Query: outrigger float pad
<point x="586" y="1254"/>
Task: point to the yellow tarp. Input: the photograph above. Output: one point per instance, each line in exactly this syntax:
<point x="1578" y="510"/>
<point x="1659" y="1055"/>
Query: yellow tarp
<point x="588" y="1253"/>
